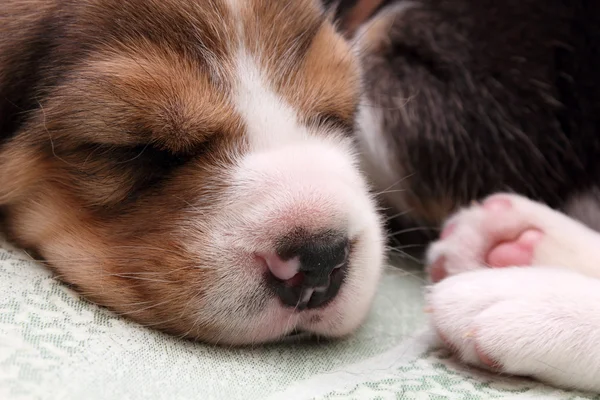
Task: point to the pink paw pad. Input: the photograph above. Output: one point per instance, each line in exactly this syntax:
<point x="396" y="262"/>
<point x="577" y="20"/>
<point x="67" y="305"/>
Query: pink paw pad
<point x="483" y="357"/>
<point x="497" y="203"/>
<point x="517" y="252"/>
<point x="447" y="343"/>
<point x="448" y="230"/>
<point x="437" y="270"/>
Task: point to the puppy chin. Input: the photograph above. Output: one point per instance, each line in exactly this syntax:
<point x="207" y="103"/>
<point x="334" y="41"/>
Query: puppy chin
<point x="311" y="186"/>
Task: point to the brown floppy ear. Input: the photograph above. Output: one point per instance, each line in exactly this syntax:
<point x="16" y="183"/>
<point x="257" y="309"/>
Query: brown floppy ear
<point x="350" y="14"/>
<point x="334" y="8"/>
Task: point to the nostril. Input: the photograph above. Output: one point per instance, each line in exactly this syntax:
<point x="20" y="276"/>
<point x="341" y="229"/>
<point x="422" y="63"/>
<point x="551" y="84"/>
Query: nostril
<point x="308" y="271"/>
<point x="317" y="255"/>
<point x="282" y="269"/>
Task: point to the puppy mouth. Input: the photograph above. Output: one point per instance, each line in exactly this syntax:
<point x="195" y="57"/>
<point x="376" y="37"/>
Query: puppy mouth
<point x="296" y="333"/>
<point x="296" y="336"/>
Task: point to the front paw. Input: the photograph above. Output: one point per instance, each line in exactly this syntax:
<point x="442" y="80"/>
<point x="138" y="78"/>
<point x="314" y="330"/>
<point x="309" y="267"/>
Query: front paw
<point x="505" y="230"/>
<point x="523" y="321"/>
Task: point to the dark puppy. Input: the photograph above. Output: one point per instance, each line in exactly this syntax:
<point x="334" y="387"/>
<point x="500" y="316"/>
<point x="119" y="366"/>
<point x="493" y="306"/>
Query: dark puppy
<point x="465" y="98"/>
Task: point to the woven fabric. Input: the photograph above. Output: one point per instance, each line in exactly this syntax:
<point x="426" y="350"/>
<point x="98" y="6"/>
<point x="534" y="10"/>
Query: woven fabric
<point x="54" y="345"/>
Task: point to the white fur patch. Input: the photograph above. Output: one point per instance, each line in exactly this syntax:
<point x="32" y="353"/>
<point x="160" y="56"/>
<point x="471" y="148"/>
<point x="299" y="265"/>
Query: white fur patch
<point x="270" y="121"/>
<point x="375" y="151"/>
<point x="585" y="207"/>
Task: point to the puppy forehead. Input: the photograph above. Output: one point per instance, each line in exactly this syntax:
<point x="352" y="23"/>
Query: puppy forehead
<point x="231" y="64"/>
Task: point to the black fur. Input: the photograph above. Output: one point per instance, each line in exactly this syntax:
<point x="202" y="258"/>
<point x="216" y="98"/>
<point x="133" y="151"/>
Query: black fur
<point x="480" y="96"/>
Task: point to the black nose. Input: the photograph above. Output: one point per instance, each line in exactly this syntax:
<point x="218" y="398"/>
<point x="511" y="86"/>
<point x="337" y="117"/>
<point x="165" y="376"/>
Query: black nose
<point x="320" y="263"/>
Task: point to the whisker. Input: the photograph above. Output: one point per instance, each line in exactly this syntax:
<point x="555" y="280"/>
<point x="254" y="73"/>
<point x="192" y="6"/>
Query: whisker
<point x="410" y="274"/>
<point x="146" y="308"/>
<point x="184" y="310"/>
<point x="130" y="276"/>
<point x="64" y="277"/>
<point x="415" y="229"/>
<point x="52" y="147"/>
<point x="390" y="191"/>
<point x="404" y="254"/>
<point x="195" y="208"/>
<point x="406" y="246"/>
<point x="135" y="157"/>
<point x="399" y="182"/>
<point x="400" y="214"/>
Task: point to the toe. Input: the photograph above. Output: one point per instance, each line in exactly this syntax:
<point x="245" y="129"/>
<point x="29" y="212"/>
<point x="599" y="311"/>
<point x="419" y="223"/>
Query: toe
<point x="497" y="203"/>
<point x="486" y="359"/>
<point x="437" y="270"/>
<point x="515" y="253"/>
<point x="448" y="230"/>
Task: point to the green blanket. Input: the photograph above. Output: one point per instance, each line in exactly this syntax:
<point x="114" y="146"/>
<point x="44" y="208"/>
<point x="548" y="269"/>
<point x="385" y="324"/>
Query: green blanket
<point x="54" y="345"/>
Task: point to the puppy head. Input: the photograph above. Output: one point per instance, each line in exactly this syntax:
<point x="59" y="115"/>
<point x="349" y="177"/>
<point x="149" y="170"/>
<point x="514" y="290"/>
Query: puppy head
<point x="193" y="169"/>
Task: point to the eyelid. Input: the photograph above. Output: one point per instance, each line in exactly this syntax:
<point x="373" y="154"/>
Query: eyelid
<point x="335" y="121"/>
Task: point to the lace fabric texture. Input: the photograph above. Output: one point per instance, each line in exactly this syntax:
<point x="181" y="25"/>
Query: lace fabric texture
<point x="54" y="345"/>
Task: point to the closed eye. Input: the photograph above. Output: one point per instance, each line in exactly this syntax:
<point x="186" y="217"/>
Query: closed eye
<point x="333" y="121"/>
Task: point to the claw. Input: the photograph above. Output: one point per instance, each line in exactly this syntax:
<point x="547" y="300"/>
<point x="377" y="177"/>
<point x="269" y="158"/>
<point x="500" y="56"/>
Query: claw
<point x="469" y="335"/>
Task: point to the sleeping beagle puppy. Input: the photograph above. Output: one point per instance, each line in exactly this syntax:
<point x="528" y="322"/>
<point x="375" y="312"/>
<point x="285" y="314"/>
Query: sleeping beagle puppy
<point x="189" y="164"/>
